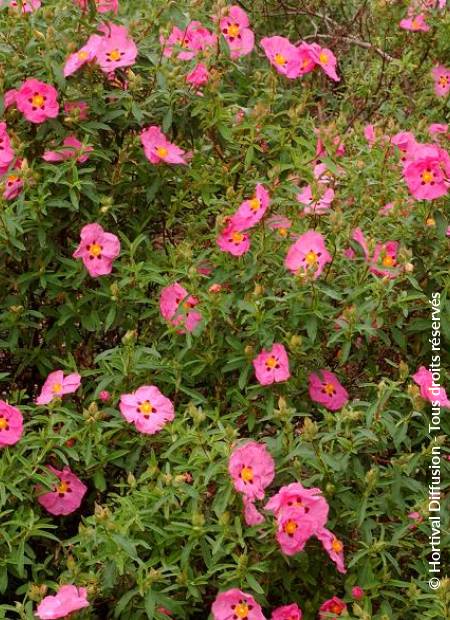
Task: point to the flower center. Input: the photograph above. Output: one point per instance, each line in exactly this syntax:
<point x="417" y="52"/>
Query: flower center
<point x="306" y="63"/>
<point x="329" y="389"/>
<point x="388" y="261"/>
<point x="290" y="527"/>
<point x="323" y="58"/>
<point x="415" y="24"/>
<point x="337" y="546"/>
<point x="237" y="237"/>
<point x="311" y="258"/>
<point x="12" y="179"/>
<point x="57" y="388"/>
<point x="161" y="151"/>
<point x="443" y="80"/>
<point x="82" y="55"/>
<point x="114" y="54"/>
<point x="95" y="250"/>
<point x="241" y="610"/>
<point x="3" y="424"/>
<point x="271" y="362"/>
<point x="427" y="176"/>
<point x="38" y="101"/>
<point x="62" y="487"/>
<point x="280" y="59"/>
<point x="336" y="609"/>
<point x="146" y="408"/>
<point x="233" y="30"/>
<point x="255" y="203"/>
<point x="247" y="474"/>
<point x="282" y="232"/>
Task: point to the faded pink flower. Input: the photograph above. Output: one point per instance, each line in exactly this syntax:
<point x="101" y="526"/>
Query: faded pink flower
<point x="427" y="171"/>
<point x="26" y="6"/>
<point x="386" y="209"/>
<point x="332" y="609"/>
<point x="78" y="108"/>
<point x="116" y="49"/>
<point x="252" y="210"/>
<point x="13" y="186"/>
<point x="9" y="98"/>
<point x="72" y="148"/>
<point x="369" y="134"/>
<point x="67" y="600"/>
<point x="283" y="55"/>
<point x="326" y="60"/>
<point x="236" y="605"/>
<point x="11" y="424"/>
<point x="147" y="408"/>
<point x="85" y="54"/>
<point x="358" y="593"/>
<point x="57" y="385"/>
<point x="194" y="39"/>
<point x="441" y="77"/>
<point x="233" y="241"/>
<point x="405" y="141"/>
<point x="6" y="150"/>
<point x="103" y="6"/>
<point x="198" y="76"/>
<point x="308" y="255"/>
<point x="97" y="249"/>
<point x="37" y="101"/>
<point x="333" y="546"/>
<point x="235" y="28"/>
<point x="313" y="205"/>
<point x="294" y="529"/>
<point x="429" y="388"/>
<point x="337" y="142"/>
<point x="287" y="612"/>
<point x="437" y="129"/>
<point x="384" y="259"/>
<point x="158" y="149"/>
<point x="325" y="389"/>
<point x="176" y="307"/>
<point x="252" y="469"/>
<point x="310" y="501"/>
<point x="279" y="223"/>
<point x="251" y="514"/>
<point x="415" y="24"/>
<point x="272" y="366"/>
<point x="66" y="496"/>
<point x="307" y="62"/>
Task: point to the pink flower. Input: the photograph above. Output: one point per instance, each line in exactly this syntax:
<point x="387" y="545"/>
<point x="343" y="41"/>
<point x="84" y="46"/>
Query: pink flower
<point x="294" y="529"/>
<point x="308" y="255"/>
<point x="233" y="241"/>
<point x="337" y="142"/>
<point x="252" y="210"/>
<point x="235" y="28"/>
<point x="287" y="612"/>
<point x="309" y="501"/>
<point x="11" y="424"/>
<point x="427" y="171"/>
<point x="67" y="600"/>
<point x="66" y="496"/>
<point x="369" y="134"/>
<point x="441" y="77"/>
<point x="306" y="58"/>
<point x="283" y="55"/>
<point x="6" y="151"/>
<point x="158" y="149"/>
<point x="79" y="108"/>
<point x="384" y="259"/>
<point x="251" y="514"/>
<point x="326" y="60"/>
<point x="103" y="6"/>
<point x="279" y="223"/>
<point x="429" y="388"/>
<point x="9" y="98"/>
<point x="37" y="101"/>
<point x="147" y="409"/>
<point x="27" y="6"/>
<point x="116" y="49"/>
<point x="404" y="141"/>
<point x="13" y="186"/>
<point x="104" y="396"/>
<point x="313" y="206"/>
<point x="252" y="469"/>
<point x="436" y="129"/>
<point x="97" y="249"/>
<point x="198" y="76"/>
<point x="176" y="306"/>
<point x="84" y="55"/>
<point x="72" y="148"/>
<point x="415" y="24"/>
<point x="193" y="40"/>
<point x="56" y="385"/>
<point x="236" y="605"/>
<point x="358" y="593"/>
<point x="333" y="546"/>
<point x="272" y="366"/>
<point x="386" y="209"/>
<point x="332" y="606"/>
<point x="325" y="389"/>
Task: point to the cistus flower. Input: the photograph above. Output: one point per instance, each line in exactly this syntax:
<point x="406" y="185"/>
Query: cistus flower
<point x="287" y="612"/>
<point x="236" y="605"/>
<point x="308" y="255"/>
<point x="71" y="148"/>
<point x="280" y="223"/>
<point x="147" y="408"/>
<point x="26" y="6"/>
<point x="233" y="241"/>
<point x="235" y="28"/>
<point x="441" y="77"/>
<point x="427" y="171"/>
<point x="334" y="547"/>
<point x="177" y="307"/>
<point x="199" y="75"/>
<point x="85" y="54"/>
<point x="332" y="609"/>
<point x="68" y="599"/>
<point x="251" y="515"/>
<point x="11" y="424"/>
<point x="428" y="388"/>
<point x="282" y="55"/>
<point x="272" y="366"/>
<point x="315" y="205"/>
<point x="310" y="501"/>
<point x="158" y="149"/>
<point x="294" y="529"/>
<point x="103" y="6"/>
<point x="325" y="389"/>
<point x="252" y="469"/>
<point x="383" y="262"/>
<point x="415" y="24"/>
<point x="252" y="210"/>
<point x="6" y="151"/>
<point x="116" y="49"/>
<point x="57" y="385"/>
<point x="13" y="186"/>
<point x="325" y="59"/>
<point x="194" y="39"/>
<point x="37" y="101"/>
<point x="66" y="496"/>
<point x="97" y="249"/>
<point x="78" y="108"/>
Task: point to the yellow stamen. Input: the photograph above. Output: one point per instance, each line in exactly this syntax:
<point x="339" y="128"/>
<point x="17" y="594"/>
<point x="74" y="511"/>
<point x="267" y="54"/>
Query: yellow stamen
<point x="233" y="30"/>
<point x="323" y="58"/>
<point x="388" y="261"/>
<point x="95" y="250"/>
<point x="336" y="609"/>
<point x="241" y="610"/>
<point x="427" y="176"/>
<point x="162" y="152"/>
<point x="63" y="487"/>
<point x="146" y="408"/>
<point x="114" y="54"/>
<point x="271" y="362"/>
<point x="3" y="424"/>
<point x="12" y="178"/>
<point x="282" y="232"/>
<point x="337" y="546"/>
<point x="280" y="59"/>
<point x="38" y="101"/>
<point x="237" y="237"/>
<point x="247" y="474"/>
<point x="83" y="55"/>
<point x="254" y="203"/>
<point x="311" y="258"/>
<point x="57" y="388"/>
<point x="329" y="389"/>
<point x="290" y="527"/>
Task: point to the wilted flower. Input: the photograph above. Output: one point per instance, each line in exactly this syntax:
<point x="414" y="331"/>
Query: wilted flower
<point x="56" y="385"/>
<point x="176" y="306"/>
